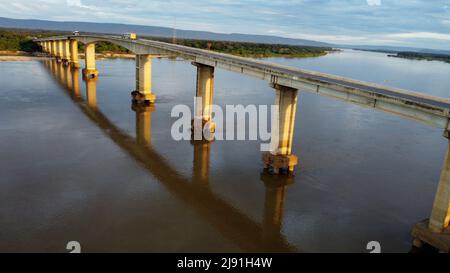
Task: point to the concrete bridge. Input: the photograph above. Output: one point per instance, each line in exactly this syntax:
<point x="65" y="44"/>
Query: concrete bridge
<point x="286" y="82"/>
<point x="195" y="192"/>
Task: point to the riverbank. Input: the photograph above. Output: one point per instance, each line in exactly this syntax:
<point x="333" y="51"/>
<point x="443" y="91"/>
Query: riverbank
<point x="9" y="56"/>
<point x="20" y="56"/>
<point x="421" y="56"/>
<point x="17" y="56"/>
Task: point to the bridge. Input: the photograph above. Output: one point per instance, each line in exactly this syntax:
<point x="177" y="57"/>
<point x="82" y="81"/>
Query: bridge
<point x="286" y="81"/>
<point x="195" y="192"/>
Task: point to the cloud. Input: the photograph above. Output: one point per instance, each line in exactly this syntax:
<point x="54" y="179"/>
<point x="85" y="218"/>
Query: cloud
<point x="374" y="2"/>
<point x="421" y="35"/>
<point x="420" y="23"/>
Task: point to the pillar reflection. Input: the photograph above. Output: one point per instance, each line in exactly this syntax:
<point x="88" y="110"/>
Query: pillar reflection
<point x="200" y="172"/>
<point x="75" y="82"/>
<point x="143" y="123"/>
<point x="91" y="92"/>
<point x="275" y="197"/>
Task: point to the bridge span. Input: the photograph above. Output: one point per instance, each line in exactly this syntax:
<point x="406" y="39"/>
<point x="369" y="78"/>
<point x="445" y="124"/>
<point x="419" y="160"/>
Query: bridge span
<point x="286" y="82"/>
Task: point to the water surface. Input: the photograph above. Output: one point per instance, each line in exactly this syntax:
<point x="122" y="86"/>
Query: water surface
<point x="90" y="168"/>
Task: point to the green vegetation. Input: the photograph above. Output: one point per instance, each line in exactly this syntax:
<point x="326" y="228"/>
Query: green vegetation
<point x="21" y="40"/>
<point x="422" y="56"/>
<point x="255" y="50"/>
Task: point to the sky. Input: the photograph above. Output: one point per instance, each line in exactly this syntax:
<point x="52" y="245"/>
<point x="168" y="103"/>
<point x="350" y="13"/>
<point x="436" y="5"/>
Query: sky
<point x="415" y="23"/>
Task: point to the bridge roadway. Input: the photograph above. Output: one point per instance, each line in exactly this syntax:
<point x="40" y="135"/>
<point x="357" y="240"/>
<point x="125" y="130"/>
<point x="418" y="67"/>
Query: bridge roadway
<point x="420" y="107"/>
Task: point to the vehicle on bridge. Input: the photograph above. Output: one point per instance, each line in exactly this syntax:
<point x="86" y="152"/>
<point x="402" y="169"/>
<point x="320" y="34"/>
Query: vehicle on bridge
<point x="76" y="33"/>
<point x="129" y="36"/>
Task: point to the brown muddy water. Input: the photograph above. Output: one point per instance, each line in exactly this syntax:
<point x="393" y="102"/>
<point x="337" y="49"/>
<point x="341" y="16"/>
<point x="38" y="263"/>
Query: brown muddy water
<point x="79" y="163"/>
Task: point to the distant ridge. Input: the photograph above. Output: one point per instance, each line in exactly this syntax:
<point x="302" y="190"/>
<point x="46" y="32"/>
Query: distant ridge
<point x="151" y="31"/>
<point x="396" y="49"/>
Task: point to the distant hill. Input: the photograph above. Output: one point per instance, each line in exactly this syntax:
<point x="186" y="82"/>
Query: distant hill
<point x="396" y="49"/>
<point x="151" y="31"/>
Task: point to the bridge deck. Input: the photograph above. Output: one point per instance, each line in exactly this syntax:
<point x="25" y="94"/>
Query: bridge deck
<point x="421" y="107"/>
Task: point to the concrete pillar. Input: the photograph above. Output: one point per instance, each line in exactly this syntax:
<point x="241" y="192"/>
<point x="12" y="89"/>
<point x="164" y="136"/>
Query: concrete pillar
<point x="440" y="215"/>
<point x="205" y="90"/>
<point x="91" y="92"/>
<point x="74" y="53"/>
<point x="76" y="82"/>
<point x="200" y="175"/>
<point x="60" y="51"/>
<point x="90" y="70"/>
<point x="143" y="123"/>
<point x="66" y="52"/>
<point x="143" y="92"/>
<point x="281" y="157"/>
<point x="54" y="48"/>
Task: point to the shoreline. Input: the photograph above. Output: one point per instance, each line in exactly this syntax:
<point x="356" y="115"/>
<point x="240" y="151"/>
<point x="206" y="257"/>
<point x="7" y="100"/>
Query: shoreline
<point x="12" y="56"/>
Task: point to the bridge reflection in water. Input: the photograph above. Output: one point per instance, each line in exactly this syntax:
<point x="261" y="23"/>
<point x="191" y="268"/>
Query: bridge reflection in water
<point x="245" y="233"/>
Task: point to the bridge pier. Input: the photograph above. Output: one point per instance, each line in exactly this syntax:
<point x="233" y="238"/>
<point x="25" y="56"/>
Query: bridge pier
<point x="66" y="52"/>
<point x="143" y="123"/>
<point x="74" y="54"/>
<point x="44" y="47"/>
<point x="60" y="51"/>
<point x="143" y="93"/>
<point x="436" y="231"/>
<point x="204" y="100"/>
<point x="90" y="70"/>
<point x="54" y="49"/>
<point x="281" y="158"/>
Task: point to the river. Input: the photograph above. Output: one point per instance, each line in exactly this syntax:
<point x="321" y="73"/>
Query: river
<point x="71" y="169"/>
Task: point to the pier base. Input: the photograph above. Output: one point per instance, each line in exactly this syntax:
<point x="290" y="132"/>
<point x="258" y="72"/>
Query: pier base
<point x="90" y="73"/>
<point x="139" y="97"/>
<point x="65" y="62"/>
<point x="75" y="65"/>
<point x="439" y="240"/>
<point x="279" y="163"/>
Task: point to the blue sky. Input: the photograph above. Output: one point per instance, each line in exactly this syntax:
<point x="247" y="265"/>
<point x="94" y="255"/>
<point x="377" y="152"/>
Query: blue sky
<point x="419" y="23"/>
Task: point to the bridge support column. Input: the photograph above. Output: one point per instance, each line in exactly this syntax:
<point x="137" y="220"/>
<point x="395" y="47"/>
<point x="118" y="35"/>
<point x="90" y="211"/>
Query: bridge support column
<point x="50" y="44"/>
<point x="54" y="48"/>
<point x="60" y="50"/>
<point x="281" y="157"/>
<point x="90" y="70"/>
<point x="66" y="52"/>
<point x="74" y="54"/>
<point x="436" y="230"/>
<point x="143" y="92"/>
<point x="204" y="100"/>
